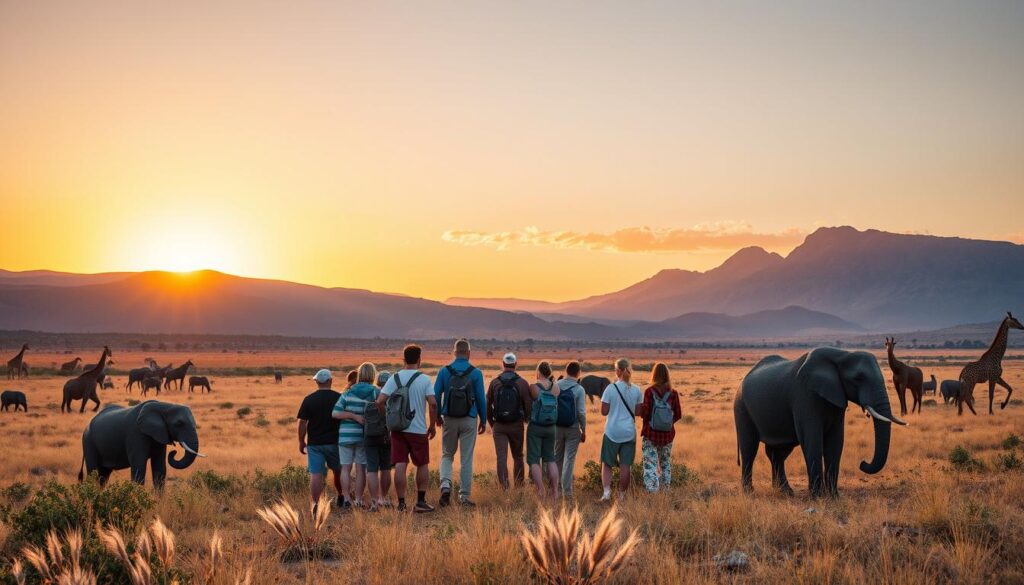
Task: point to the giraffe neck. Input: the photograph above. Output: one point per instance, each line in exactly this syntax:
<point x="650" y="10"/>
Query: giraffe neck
<point x="20" y="354"/>
<point x="998" y="347"/>
<point x="892" y="358"/>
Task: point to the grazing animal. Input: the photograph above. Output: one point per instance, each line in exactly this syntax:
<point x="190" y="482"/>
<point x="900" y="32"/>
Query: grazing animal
<point x="151" y="382"/>
<point x="278" y="376"/>
<point x="14" y="364"/>
<point x="84" y="386"/>
<point x="70" y="367"/>
<point x="120" y="438"/>
<point x="13" y="398"/>
<point x="785" y="403"/>
<point x="594" y="386"/>
<point x="904" y="377"/>
<point x="177" y="375"/>
<point x="929" y="386"/>
<point x="949" y="390"/>
<point x="137" y="375"/>
<point x="988" y="368"/>
<point x="24" y="369"/>
<point x="201" y="381"/>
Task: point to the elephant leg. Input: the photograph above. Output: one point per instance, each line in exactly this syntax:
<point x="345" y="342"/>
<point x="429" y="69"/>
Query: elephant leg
<point x="158" y="465"/>
<point x="778" y="455"/>
<point x="103" y="474"/>
<point x="811" y="444"/>
<point x="747" y="441"/>
<point x="1009" y="392"/>
<point x="833" y="454"/>
<point x="139" y="471"/>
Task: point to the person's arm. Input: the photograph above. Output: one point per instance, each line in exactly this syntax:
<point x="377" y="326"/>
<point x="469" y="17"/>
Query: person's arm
<point x="346" y="415"/>
<point x="677" y="408"/>
<point x="439" y="385"/>
<point x="648" y="404"/>
<point x="581" y="411"/>
<point x="526" y="395"/>
<point x="490" y="402"/>
<point x="481" y="399"/>
<point x="302" y="435"/>
<point x="432" y="410"/>
<point x="605" y="399"/>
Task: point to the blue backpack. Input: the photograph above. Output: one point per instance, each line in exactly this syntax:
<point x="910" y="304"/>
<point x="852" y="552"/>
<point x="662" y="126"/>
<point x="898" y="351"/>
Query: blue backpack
<point x="545" y="408"/>
<point x="567" y="407"/>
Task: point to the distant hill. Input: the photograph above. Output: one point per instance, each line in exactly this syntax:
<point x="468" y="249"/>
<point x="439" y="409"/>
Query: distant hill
<point x="211" y="303"/>
<point x="883" y="281"/>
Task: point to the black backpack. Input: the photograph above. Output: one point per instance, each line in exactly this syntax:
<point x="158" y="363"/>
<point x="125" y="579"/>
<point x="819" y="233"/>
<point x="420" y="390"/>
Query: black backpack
<point x="460" y="392"/>
<point x="375" y="427"/>
<point x="508" y="404"/>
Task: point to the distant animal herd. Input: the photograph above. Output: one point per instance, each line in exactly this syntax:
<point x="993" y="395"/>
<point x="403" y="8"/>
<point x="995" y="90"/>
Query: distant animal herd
<point x="781" y="403"/>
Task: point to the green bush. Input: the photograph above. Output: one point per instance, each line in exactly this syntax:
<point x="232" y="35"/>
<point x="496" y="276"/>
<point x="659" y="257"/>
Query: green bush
<point x="81" y="506"/>
<point x="962" y="460"/>
<point x="226" y="405"/>
<point x="1008" y="461"/>
<point x="1012" y="441"/>
<point x="16" y="493"/>
<point x="243" y="412"/>
<point x="291" y="479"/>
<point x="681" y="475"/>
<point x="261" y="421"/>
<point x="215" y="483"/>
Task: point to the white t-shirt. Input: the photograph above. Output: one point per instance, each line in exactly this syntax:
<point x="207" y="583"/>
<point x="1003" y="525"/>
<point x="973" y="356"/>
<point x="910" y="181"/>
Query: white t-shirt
<point x="419" y="390"/>
<point x="620" y="427"/>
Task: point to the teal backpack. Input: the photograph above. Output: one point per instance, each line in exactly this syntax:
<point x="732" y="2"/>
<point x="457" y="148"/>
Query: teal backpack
<point x="662" y="416"/>
<point x="545" y="408"/>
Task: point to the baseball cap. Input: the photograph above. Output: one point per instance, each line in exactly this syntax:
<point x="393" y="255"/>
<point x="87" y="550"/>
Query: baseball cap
<point x="509" y="359"/>
<point x="322" y="376"/>
<point x="382" y="377"/>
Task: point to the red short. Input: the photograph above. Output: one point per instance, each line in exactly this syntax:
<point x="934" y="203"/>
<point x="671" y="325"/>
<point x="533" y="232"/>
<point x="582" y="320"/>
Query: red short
<point x="405" y="446"/>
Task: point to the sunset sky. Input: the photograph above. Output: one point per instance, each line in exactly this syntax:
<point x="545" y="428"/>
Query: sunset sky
<point x="547" y="150"/>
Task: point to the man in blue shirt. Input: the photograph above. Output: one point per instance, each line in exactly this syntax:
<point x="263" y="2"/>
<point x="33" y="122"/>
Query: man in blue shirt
<point x="460" y="391"/>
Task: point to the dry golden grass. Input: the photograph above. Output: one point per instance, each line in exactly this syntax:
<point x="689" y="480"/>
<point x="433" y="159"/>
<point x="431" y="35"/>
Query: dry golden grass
<point x="918" y="521"/>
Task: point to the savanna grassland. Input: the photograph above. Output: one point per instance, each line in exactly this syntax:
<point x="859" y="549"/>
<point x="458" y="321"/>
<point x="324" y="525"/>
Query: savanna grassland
<point x="946" y="509"/>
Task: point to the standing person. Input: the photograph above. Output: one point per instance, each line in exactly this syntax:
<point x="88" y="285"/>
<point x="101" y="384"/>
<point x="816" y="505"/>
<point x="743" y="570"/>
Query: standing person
<point x="660" y="412"/>
<point x="571" y="427"/>
<point x="349" y="410"/>
<point x="406" y="397"/>
<point x="540" y="434"/>
<point x="318" y="436"/>
<point x="618" y="447"/>
<point x="378" y="457"/>
<point x="508" y="407"/>
<point x="460" y="390"/>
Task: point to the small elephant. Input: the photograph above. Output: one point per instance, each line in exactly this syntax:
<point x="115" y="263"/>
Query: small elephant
<point x="151" y="382"/>
<point x="13" y="398"/>
<point x="785" y="403"/>
<point x="594" y="386"/>
<point x="278" y="376"/>
<point x="949" y="389"/>
<point x="131" y="438"/>
<point x="201" y="381"/>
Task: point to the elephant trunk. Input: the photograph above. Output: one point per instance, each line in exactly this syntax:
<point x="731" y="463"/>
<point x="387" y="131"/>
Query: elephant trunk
<point x="883" y="431"/>
<point x="191" y="451"/>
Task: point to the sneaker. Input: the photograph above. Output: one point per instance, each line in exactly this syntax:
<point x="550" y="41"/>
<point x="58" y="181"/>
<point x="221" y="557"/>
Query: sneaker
<point x="339" y="502"/>
<point x="402" y="507"/>
<point x="422" y="507"/>
<point x="606" y="497"/>
<point x="346" y="506"/>
<point x="466" y="503"/>
<point x="372" y="508"/>
<point x="446" y="498"/>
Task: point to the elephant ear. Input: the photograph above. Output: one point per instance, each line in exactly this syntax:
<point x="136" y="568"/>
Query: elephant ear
<point x="820" y="374"/>
<point x="150" y="421"/>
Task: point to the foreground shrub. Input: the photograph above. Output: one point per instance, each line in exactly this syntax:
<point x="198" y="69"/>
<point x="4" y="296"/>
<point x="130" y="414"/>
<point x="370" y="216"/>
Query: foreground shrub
<point x="561" y="557"/>
<point x="291" y="479"/>
<point x="1008" y="461"/>
<point x="216" y="483"/>
<point x="962" y="460"/>
<point x="1012" y="441"/>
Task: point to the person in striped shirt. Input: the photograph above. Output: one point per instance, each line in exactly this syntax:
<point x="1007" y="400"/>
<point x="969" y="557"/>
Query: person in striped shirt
<point x="351" y="450"/>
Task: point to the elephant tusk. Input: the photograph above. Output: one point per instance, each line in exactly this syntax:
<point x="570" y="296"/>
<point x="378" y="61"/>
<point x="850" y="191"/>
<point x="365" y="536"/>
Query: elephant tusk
<point x="898" y="421"/>
<point x="191" y="450"/>
<point x="875" y="414"/>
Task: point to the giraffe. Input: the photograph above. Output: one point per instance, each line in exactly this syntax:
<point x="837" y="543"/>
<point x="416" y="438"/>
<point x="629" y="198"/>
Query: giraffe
<point x="14" y="364"/>
<point x="988" y="368"/>
<point x="904" y="377"/>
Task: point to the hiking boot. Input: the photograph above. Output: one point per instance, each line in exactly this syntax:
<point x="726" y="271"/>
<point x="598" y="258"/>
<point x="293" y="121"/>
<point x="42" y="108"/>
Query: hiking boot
<point x="339" y="502"/>
<point x="402" y="507"/>
<point x="446" y="497"/>
<point x="466" y="503"/>
<point x="423" y="507"/>
<point x="346" y="506"/>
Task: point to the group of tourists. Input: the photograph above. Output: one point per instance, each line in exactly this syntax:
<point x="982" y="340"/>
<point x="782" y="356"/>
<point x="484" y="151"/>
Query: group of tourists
<point x="368" y="435"/>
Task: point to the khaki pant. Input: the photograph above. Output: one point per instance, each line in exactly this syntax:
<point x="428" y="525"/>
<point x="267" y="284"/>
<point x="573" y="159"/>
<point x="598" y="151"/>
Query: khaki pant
<point x="567" y="443"/>
<point x="509" y="437"/>
<point x="459" y="434"/>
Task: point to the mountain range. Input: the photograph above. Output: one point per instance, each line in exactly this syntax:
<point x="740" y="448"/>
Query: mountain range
<point x="882" y="281"/>
<point x="840" y="280"/>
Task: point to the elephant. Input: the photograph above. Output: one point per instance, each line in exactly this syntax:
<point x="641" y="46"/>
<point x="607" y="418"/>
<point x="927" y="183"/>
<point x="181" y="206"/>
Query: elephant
<point x="13" y="398"/>
<point x="201" y="381"/>
<point x="278" y="376"/>
<point x="949" y="389"/>
<point x="784" y="403"/>
<point x="137" y="375"/>
<point x="151" y="382"/>
<point x="594" y="386"/>
<point x="120" y="438"/>
<point x="84" y="386"/>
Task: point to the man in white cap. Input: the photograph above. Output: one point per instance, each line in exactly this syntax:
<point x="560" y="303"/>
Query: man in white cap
<point x="318" y="435"/>
<point x="508" y="408"/>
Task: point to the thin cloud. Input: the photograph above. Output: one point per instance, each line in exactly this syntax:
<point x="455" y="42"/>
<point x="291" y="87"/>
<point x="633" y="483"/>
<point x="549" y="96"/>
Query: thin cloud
<point x="721" y="236"/>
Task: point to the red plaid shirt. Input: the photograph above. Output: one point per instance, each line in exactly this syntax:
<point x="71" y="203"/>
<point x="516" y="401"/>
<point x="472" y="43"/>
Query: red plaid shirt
<point x="660" y="437"/>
